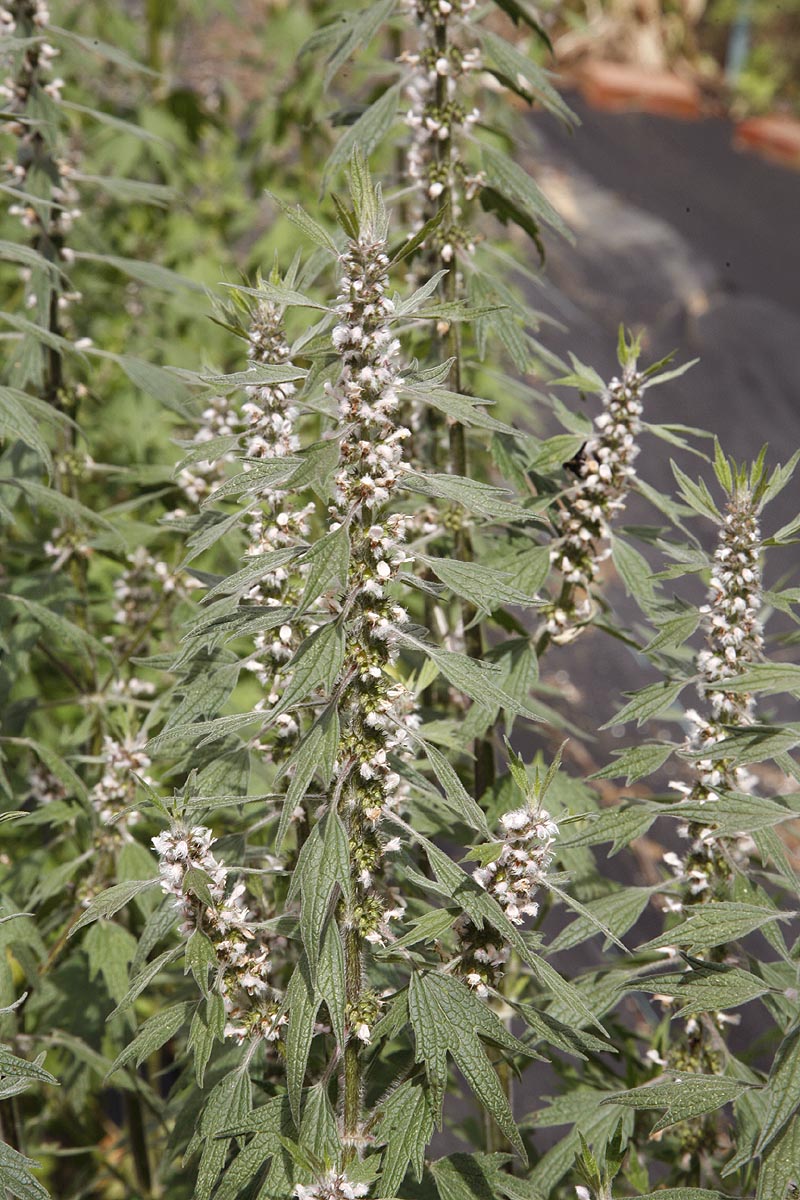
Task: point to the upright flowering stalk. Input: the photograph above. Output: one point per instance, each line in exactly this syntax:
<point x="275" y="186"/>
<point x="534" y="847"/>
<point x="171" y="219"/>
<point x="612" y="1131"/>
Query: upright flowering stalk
<point x="40" y="170"/>
<point x="440" y="118"/>
<point x="584" y="515"/>
<point x="734" y="641"/>
<point x="277" y="524"/>
<point x="374" y="707"/>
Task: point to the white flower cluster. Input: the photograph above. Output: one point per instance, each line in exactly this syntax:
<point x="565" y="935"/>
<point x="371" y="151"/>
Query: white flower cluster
<point x="136" y="590"/>
<point x="605" y="470"/>
<point x="372" y="461"/>
<point x="437" y="116"/>
<point x="44" y="787"/>
<point x="201" y="479"/>
<point x="242" y="954"/>
<point x="513" y="879"/>
<point x="332" y="1186"/>
<point x="272" y="433"/>
<point x="733" y="641"/>
<point x="116" y="787"/>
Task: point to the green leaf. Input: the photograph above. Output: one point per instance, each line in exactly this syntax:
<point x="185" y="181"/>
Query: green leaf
<point x="356" y="29"/>
<point x="696" y="495"/>
<point x="111" y="54"/>
<point x="620" y="825"/>
<point x="489" y="502"/>
<point x="60" y="628"/>
<point x="689" y="1193"/>
<point x="302" y="1004"/>
<point x="455" y="793"/>
<point x="304" y="222"/>
<point x="144" y="272"/>
<point x="331" y="979"/>
<point x="523" y="75"/>
<point x="709" y="925"/>
<point x="703" y="990"/>
<point x="635" y="572"/>
<point x="688" y="1096"/>
<point x="765" y="678"/>
<point x="448" y="1018"/>
<point x="485" y="587"/>
<point x="371" y="128"/>
<point x="464" y="409"/>
<point x="782" y="1092"/>
<point x="674" y="632"/>
<point x="323" y="863"/>
<point x="406" y="1125"/>
<point x="328" y="562"/>
<point x="780" y="1165"/>
<point x="12" y="1067"/>
<point x="207" y="1028"/>
<point x="305" y="762"/>
<point x="111" y="901"/>
<point x="637" y="762"/>
<point x="17" y="425"/>
<point x="618" y="912"/>
<point x="155" y="1032"/>
<point x="110" y="949"/>
<point x="279" y="295"/>
<point x="15" y="1175"/>
<point x="514" y="184"/>
<point x="648" y="702"/>
<point x="473" y="677"/>
<point x="317" y="663"/>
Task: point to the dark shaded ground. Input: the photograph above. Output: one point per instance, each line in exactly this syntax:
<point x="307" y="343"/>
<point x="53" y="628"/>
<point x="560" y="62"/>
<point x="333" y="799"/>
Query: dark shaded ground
<point x="678" y="234"/>
<point x="700" y="244"/>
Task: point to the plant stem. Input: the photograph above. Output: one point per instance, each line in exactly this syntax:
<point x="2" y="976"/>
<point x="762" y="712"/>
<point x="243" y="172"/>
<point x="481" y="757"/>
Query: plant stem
<point x="473" y="631"/>
<point x="351" y="1105"/>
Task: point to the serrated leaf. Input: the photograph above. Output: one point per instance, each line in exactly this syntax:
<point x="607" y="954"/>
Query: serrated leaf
<point x="696" y="495"/>
<point x="780" y="1165"/>
<point x="328" y="562"/>
<point x="153" y="1034"/>
<point x="648" y="702"/>
<point x="709" y="925"/>
<point x="447" y="1018"/>
<point x="466" y="410"/>
<point x="512" y="182"/>
<point x="489" y="502"/>
<point x="523" y="75"/>
<point x="485" y="587"/>
<point x="406" y="1125"/>
<point x="700" y="991"/>
<point x="637" y="762"/>
<point x="455" y="793"/>
<point x="782" y="1092"/>
<point x="635" y="572"/>
<point x="304" y="222"/>
<point x="764" y="678"/>
<point x="316" y="664"/>
<point x="110" y="949"/>
<point x="331" y="979"/>
<point x="151" y="274"/>
<point x="111" y="901"/>
<point x="302" y="1004"/>
<point x="323" y="863"/>
<point x="686" y="1097"/>
<point x="618" y="912"/>
<point x="371" y="128"/>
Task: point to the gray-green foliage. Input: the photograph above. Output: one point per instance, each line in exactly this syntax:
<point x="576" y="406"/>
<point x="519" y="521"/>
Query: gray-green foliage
<point x="277" y="590"/>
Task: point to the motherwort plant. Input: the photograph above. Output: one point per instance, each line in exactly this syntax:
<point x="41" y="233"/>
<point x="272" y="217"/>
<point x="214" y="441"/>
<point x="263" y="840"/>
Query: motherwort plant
<point x="344" y="988"/>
